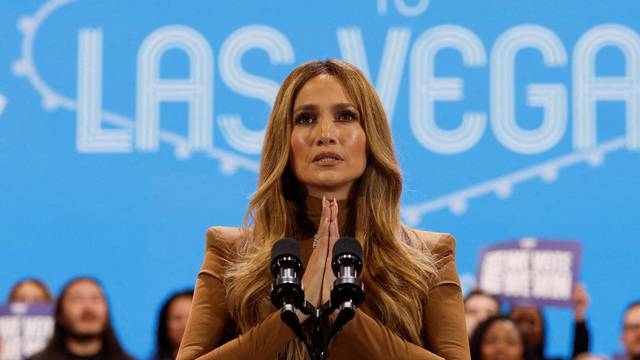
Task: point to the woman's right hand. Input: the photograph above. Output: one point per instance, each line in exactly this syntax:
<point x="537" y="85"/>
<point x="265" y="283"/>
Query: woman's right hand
<point x="313" y="274"/>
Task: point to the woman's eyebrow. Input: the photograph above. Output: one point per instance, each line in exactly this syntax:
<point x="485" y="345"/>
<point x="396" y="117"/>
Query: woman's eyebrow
<point x="341" y="106"/>
<point x="306" y="107"/>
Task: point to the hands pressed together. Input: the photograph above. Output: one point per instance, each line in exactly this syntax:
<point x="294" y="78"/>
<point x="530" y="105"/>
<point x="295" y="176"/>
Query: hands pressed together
<point x="318" y="276"/>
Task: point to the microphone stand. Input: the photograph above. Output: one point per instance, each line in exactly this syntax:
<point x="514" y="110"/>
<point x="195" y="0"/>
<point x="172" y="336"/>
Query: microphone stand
<point x="288" y="294"/>
<point x="318" y="344"/>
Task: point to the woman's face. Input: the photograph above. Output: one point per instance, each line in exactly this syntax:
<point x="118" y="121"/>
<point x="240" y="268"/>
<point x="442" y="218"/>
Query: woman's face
<point x="328" y="143"/>
<point x="477" y="309"/>
<point x="631" y="331"/>
<point x="529" y="321"/>
<point x="177" y="319"/>
<point x="84" y="309"/>
<point x="502" y="342"/>
<point x="30" y="292"/>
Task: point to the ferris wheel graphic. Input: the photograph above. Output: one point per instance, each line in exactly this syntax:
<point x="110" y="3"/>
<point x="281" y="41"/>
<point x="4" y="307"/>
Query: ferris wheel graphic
<point x="456" y="202"/>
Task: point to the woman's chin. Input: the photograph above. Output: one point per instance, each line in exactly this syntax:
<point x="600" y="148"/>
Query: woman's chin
<point x="329" y="186"/>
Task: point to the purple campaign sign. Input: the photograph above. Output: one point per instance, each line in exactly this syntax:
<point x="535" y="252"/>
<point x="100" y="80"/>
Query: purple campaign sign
<point x="24" y="329"/>
<point x="531" y="271"/>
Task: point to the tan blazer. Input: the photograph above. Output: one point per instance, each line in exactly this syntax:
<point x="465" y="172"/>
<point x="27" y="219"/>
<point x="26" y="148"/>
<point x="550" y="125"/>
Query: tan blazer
<point x="209" y="333"/>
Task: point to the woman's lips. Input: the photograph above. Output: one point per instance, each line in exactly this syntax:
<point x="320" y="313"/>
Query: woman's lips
<point x="326" y="156"/>
<point x="327" y="161"/>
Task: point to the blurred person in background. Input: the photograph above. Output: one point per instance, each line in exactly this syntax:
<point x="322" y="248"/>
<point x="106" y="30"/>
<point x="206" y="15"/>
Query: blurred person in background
<point x="498" y="338"/>
<point x="532" y="324"/>
<point x="82" y="329"/>
<point x="587" y="356"/>
<point x="171" y="324"/>
<point x="479" y="306"/>
<point x="30" y="291"/>
<point x="631" y="332"/>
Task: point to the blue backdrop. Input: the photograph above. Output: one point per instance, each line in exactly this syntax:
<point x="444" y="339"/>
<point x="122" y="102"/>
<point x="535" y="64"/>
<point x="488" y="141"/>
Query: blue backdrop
<point x="127" y="128"/>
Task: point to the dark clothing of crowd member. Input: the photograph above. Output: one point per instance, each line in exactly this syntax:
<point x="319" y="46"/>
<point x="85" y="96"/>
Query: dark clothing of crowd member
<point x="67" y="356"/>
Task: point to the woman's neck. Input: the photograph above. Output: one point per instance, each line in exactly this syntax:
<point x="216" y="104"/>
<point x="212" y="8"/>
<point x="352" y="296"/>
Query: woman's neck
<point x="84" y="348"/>
<point x="314" y="210"/>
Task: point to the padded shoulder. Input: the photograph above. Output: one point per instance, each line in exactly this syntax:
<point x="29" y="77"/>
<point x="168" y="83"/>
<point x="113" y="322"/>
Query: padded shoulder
<point x="439" y="244"/>
<point x="224" y="238"/>
<point x="442" y="247"/>
<point x="222" y="244"/>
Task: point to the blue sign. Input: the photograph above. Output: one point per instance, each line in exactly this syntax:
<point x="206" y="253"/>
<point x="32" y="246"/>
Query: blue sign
<point x="531" y="272"/>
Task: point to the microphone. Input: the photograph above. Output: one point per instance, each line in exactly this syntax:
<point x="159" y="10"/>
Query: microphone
<point x="347" y="292"/>
<point x="286" y="289"/>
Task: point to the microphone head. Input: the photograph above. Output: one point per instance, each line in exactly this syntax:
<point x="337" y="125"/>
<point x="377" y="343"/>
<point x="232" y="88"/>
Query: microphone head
<point x="345" y="246"/>
<point x="284" y="248"/>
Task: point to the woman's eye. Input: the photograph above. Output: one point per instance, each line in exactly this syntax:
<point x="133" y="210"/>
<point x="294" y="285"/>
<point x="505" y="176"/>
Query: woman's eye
<point x="347" y="115"/>
<point x="304" y="118"/>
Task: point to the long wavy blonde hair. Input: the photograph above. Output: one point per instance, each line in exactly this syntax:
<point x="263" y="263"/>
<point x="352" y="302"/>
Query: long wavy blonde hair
<point x="396" y="275"/>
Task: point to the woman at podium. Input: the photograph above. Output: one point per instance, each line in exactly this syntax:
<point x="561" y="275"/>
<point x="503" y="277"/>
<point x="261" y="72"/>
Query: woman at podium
<point x="328" y="168"/>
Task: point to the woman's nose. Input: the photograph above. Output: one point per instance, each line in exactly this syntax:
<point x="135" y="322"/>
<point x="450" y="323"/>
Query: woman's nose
<point x="327" y="132"/>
